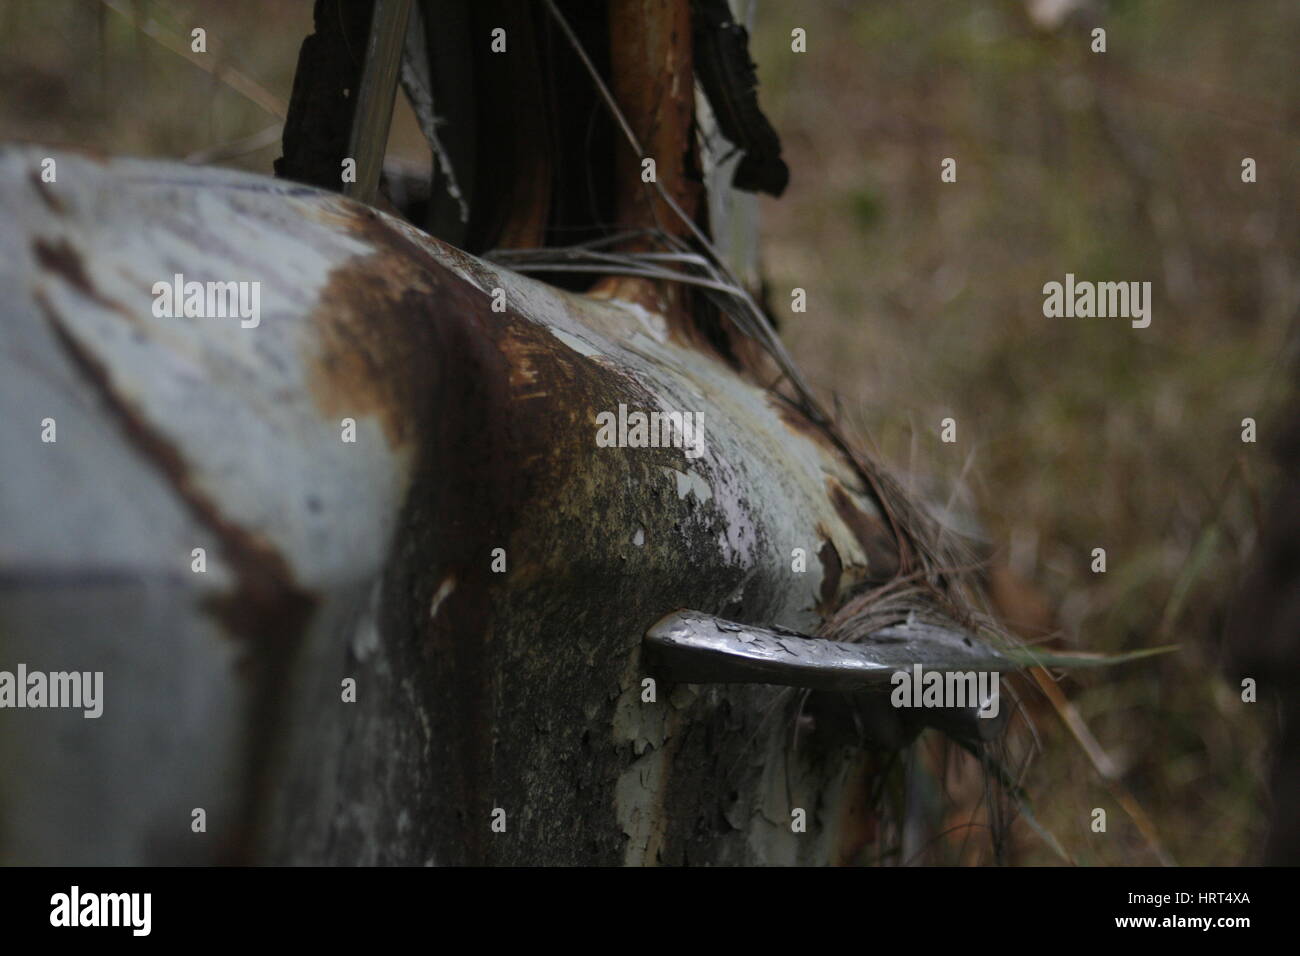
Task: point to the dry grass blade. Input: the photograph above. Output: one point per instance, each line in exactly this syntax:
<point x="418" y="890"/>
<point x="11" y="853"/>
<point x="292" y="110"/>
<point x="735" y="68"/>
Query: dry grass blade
<point x="1074" y="721"/>
<point x="374" y="111"/>
<point x="237" y="81"/>
<point x="239" y="147"/>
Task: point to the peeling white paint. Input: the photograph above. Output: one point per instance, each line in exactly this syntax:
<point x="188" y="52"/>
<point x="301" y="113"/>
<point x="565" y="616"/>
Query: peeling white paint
<point x="445" y="588"/>
<point x="690" y="483"/>
<point x="635" y="801"/>
<point x="652" y="323"/>
<point x="576" y="342"/>
<point x="365" y="642"/>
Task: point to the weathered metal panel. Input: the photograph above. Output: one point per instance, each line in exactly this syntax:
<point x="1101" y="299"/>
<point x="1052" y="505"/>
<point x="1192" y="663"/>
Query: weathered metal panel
<point x="475" y="430"/>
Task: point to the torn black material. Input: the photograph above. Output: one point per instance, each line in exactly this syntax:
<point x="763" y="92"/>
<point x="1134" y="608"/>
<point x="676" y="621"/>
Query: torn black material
<point x="727" y="74"/>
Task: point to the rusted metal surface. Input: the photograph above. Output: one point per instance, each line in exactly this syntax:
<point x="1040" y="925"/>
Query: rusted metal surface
<point x="653" y="82"/>
<point x="327" y="560"/>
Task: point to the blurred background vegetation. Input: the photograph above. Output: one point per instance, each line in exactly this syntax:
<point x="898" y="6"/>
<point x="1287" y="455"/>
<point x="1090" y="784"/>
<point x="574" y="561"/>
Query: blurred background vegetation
<point x="925" y="302"/>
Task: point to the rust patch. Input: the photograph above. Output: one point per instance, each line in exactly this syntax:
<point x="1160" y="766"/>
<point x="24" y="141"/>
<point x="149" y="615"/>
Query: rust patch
<point x="652" y="78"/>
<point x="489" y="404"/>
<point x="801" y="423"/>
<point x="60" y="258"/>
<point x="266" y="598"/>
<point x="48" y="195"/>
<point x="389" y="322"/>
<point x="499" y="418"/>
<point x="268" y="609"/>
<point x="382" y="345"/>
<point x="832" y="569"/>
<point x="875" y="538"/>
<point x="360" y="371"/>
<point x="857" y="817"/>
